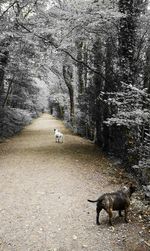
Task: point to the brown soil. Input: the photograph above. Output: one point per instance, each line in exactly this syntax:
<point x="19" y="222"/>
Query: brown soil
<point x="44" y="187"/>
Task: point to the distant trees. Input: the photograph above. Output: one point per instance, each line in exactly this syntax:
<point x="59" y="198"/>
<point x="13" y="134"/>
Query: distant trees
<point x="109" y="75"/>
<point x="20" y="65"/>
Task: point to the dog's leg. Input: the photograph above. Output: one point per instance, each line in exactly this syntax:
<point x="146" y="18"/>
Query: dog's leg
<point x="98" y="209"/>
<point x="110" y="216"/>
<point x="120" y="213"/>
<point x="126" y="215"/>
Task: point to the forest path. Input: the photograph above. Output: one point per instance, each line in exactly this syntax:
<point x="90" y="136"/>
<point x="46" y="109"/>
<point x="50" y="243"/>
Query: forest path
<point x="44" y="188"/>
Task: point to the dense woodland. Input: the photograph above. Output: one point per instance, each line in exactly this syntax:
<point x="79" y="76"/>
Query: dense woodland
<point x="84" y="61"/>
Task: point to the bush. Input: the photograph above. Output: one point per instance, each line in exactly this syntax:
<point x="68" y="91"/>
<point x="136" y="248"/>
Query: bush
<point x="12" y="120"/>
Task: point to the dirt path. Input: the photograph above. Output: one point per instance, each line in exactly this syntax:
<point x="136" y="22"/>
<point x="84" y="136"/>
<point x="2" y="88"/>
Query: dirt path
<point x="44" y="188"/>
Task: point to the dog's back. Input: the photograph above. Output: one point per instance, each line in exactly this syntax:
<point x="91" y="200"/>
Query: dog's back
<point x="115" y="201"/>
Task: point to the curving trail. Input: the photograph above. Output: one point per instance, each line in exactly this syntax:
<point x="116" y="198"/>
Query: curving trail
<point x="44" y="188"/>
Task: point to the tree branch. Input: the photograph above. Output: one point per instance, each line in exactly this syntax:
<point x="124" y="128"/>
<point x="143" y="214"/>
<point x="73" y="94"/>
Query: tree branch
<point x="47" y="41"/>
<point x="69" y="33"/>
<point x="10" y="6"/>
<point x="29" y="11"/>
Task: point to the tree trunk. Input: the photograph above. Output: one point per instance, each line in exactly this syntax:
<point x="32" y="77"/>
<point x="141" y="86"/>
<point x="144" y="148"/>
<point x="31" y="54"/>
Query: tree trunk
<point x="80" y="66"/>
<point x="3" y="63"/>
<point x="68" y="75"/>
<point x="8" y="92"/>
<point x="147" y="70"/>
<point x="99" y="86"/>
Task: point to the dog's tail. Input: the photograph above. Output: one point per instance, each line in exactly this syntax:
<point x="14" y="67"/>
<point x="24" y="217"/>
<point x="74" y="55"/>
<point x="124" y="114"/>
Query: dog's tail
<point x="93" y="201"/>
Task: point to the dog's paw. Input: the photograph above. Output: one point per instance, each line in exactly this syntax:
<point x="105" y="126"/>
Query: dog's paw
<point x="112" y="228"/>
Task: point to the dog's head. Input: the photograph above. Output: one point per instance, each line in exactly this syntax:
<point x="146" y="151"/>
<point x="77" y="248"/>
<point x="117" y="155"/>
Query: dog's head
<point x="132" y="188"/>
<point x="129" y="189"/>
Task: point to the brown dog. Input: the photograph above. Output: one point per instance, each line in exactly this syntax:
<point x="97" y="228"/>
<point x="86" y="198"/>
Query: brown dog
<point x="116" y="201"/>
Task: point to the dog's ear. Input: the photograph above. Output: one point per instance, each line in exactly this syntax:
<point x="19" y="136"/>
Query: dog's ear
<point x="133" y="187"/>
<point x="132" y="184"/>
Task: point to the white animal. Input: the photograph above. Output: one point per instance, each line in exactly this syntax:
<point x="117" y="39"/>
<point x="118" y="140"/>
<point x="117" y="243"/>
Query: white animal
<point x="58" y="136"/>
